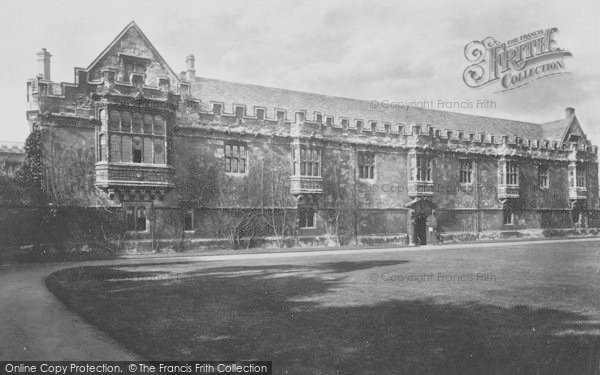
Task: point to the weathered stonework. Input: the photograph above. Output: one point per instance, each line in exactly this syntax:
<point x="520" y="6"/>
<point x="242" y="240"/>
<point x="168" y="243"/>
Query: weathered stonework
<point x="189" y="157"/>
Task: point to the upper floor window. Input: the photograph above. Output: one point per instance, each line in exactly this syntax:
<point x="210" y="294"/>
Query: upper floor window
<point x="164" y="84"/>
<point x="319" y="118"/>
<point x="137" y="138"/>
<point x="306" y="161"/>
<point x="542" y="170"/>
<point x="130" y="67"/>
<point x="387" y="127"/>
<point x="373" y="126"/>
<point x="366" y="165"/>
<point x="580" y="171"/>
<point x="344" y="123"/>
<point x="114" y="120"/>
<point x="421" y="169"/>
<point x="466" y="171"/>
<point x="148" y="122"/>
<point x="260" y="114"/>
<point x="508" y="172"/>
<point x="239" y="112"/>
<point x="236" y="159"/>
<point x="329" y="121"/>
<point x="359" y="125"/>
<point x="280" y="116"/>
<point x="137" y="123"/>
<point x="509" y="175"/>
<point x="217" y="109"/>
<point x="101" y="147"/>
<point x="138" y="149"/>
<point x="126" y="121"/>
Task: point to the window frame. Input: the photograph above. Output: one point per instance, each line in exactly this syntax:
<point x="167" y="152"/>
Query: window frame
<point x="264" y="113"/>
<point x="344" y="123"/>
<point x="190" y="212"/>
<point x="423" y="167"/>
<point x="304" y="219"/>
<point x="318" y="118"/>
<point x="360" y="125"/>
<point x="120" y="142"/>
<point x="228" y="158"/>
<point x="543" y="176"/>
<point x="508" y="216"/>
<point x="465" y="172"/>
<point x="580" y="175"/>
<point x="329" y="121"/>
<point x="236" y="111"/>
<point x="283" y="118"/>
<point x="301" y="163"/>
<point x="366" y="164"/>
<point x="212" y="109"/>
<point x="372" y="126"/>
<point x="132" y="226"/>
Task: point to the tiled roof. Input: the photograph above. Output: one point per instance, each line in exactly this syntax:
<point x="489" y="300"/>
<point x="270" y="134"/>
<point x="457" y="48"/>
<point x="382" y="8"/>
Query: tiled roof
<point x="554" y="130"/>
<point x="231" y="93"/>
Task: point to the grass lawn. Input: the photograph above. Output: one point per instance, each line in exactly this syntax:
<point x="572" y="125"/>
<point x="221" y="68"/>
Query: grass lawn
<point x="494" y="310"/>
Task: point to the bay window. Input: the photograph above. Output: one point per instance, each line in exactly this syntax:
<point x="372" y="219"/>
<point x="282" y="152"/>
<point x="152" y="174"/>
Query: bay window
<point x="136" y="138"/>
<point x="306" y="161"/>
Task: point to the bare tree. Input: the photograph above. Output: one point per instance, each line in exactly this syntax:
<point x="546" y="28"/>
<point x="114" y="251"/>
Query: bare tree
<point x="276" y="201"/>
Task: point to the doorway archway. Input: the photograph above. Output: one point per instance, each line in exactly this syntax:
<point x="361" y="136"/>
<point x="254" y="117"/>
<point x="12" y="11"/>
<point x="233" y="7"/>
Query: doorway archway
<point x="418" y="211"/>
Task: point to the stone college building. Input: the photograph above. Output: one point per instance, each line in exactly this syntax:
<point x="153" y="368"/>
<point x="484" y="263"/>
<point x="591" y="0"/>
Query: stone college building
<point x="183" y="157"/>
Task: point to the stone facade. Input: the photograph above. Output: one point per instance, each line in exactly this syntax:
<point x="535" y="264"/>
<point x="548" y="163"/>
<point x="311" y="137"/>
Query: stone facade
<point x="192" y="157"/>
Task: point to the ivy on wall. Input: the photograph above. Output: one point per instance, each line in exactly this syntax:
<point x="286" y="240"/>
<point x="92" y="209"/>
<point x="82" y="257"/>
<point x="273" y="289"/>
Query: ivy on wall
<point x="30" y="173"/>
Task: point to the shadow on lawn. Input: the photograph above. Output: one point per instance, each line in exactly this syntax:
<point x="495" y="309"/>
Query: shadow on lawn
<point x="259" y="316"/>
<point x="331" y="267"/>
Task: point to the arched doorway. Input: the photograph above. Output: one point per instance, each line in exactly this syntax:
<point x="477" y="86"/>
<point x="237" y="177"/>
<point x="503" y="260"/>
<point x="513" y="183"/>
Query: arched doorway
<point x="420" y="231"/>
<point x="419" y="210"/>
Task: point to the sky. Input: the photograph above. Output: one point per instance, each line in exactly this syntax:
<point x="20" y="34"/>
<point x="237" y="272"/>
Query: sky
<point x="409" y="51"/>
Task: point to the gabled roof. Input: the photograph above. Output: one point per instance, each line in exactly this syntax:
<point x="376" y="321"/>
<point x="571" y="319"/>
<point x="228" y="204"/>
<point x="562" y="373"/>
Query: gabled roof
<point x="559" y="129"/>
<point x="231" y="93"/>
<point x="555" y="130"/>
<point x="131" y="25"/>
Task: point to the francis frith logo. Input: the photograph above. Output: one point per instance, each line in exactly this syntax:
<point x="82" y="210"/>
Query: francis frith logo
<point x="514" y="63"/>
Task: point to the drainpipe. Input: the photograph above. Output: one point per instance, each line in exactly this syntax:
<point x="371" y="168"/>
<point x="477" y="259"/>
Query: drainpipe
<point x="355" y="213"/>
<point x="477" y="202"/>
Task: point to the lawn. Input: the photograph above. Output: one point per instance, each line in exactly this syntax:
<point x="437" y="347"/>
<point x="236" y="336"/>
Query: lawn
<point x="493" y="310"/>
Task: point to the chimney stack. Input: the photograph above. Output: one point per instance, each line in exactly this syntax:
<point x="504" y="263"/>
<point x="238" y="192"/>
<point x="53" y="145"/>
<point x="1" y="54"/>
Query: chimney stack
<point x="44" y="64"/>
<point x="191" y="72"/>
<point x="569" y="111"/>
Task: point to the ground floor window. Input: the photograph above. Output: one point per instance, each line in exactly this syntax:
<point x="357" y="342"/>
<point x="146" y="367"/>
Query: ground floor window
<point x="507" y="216"/>
<point x="306" y="217"/>
<point x="188" y="219"/>
<point x="136" y="218"/>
